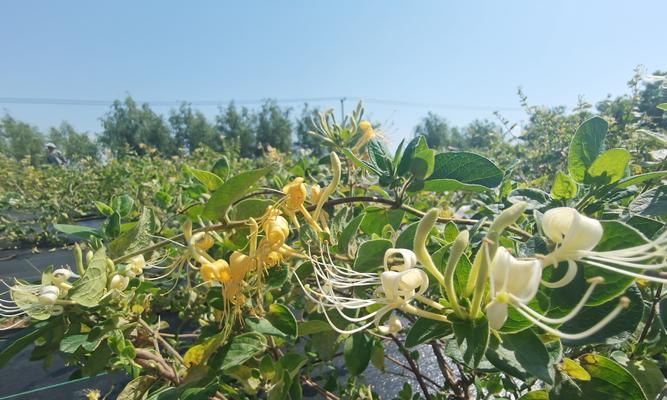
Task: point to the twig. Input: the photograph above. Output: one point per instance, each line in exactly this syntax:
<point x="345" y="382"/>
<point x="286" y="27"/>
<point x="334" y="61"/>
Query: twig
<point x="400" y="364"/>
<point x="413" y="367"/>
<point x="651" y="316"/>
<point x="447" y="373"/>
<point x="163" y="341"/>
<point x="333" y="202"/>
<point x="323" y="392"/>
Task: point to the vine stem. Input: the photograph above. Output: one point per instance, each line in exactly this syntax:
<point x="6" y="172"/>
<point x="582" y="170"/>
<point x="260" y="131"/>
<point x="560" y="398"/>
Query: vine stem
<point x="330" y="203"/>
<point x="413" y="367"/>
<point x="651" y="316"/>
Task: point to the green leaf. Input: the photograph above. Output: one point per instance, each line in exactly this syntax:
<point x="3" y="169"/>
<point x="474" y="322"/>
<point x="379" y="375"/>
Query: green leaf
<point x="375" y="219"/>
<point x="662" y="307"/>
<point x="662" y="106"/>
<point x="88" y="290"/>
<point x="609" y="380"/>
<point x="472" y="338"/>
<point x="103" y="208"/>
<point x="535" y="198"/>
<point x="468" y="168"/>
<point x="652" y="203"/>
<point x="122" y="204"/>
<point x="112" y="225"/>
<point x="313" y="326"/>
<point x="13" y="346"/>
<point x="608" y="167"/>
<point x="361" y="163"/>
<point x="208" y="179"/>
<point x="77" y="230"/>
<point x="242" y="348"/>
<point x="135" y="238"/>
<point x="522" y="355"/>
<point x="636" y="179"/>
<point x="221" y="167"/>
<point x="379" y="157"/>
<point x="282" y="318"/>
<point x="446" y="185"/>
<point x="357" y="353"/>
<point x="71" y="343"/>
<point x="617" y="331"/>
<point x="250" y="208"/>
<point x="377" y="356"/>
<point x="586" y="145"/>
<point x="263" y="326"/>
<point x="647" y="226"/>
<point x="408" y="155"/>
<point x="564" y="187"/>
<point x="230" y="191"/>
<point x="645" y="371"/>
<point x="424" y="330"/>
<point x="370" y="255"/>
<point x="406" y="238"/>
<point x="423" y="161"/>
<point x="348" y="232"/>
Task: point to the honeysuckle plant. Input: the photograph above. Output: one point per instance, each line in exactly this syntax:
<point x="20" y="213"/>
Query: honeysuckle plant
<point x="263" y="275"/>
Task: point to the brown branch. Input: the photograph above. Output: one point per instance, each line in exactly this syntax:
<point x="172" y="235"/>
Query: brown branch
<point x="447" y="373"/>
<point x="413" y="367"/>
<point x="323" y="392"/>
<point x="162" y="340"/>
<point x="406" y="367"/>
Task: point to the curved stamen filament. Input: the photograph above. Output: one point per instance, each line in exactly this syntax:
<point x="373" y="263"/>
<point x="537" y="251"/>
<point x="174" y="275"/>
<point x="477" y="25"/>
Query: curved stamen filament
<point x="623" y="304"/>
<point x="582" y="302"/>
<point x="628" y="273"/>
<point x="569" y="276"/>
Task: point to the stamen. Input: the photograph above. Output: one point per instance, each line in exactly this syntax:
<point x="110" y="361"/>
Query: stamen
<point x="582" y="302"/>
<point x="622" y="304"/>
<point x="570" y="274"/>
<point x="628" y="273"/>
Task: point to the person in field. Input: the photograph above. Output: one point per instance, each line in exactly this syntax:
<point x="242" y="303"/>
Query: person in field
<point x="54" y="156"/>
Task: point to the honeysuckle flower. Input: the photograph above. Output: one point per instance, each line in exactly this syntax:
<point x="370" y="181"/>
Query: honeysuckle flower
<point x="37" y="301"/>
<point x="516" y="282"/>
<point x="394" y="289"/>
<point x="367" y="133"/>
<point x="119" y="282"/>
<point x="60" y="278"/>
<point x="576" y="235"/>
<point x="295" y="197"/>
<point x="216" y="271"/>
<point x="136" y="266"/>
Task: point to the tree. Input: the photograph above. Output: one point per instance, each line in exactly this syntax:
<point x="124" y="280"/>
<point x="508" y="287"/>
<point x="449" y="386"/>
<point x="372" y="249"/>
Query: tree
<point x="436" y="131"/>
<point x="129" y="127"/>
<point x="482" y="134"/>
<point x="273" y="127"/>
<point x="304" y="124"/>
<point x="73" y="144"/>
<point x="191" y="129"/>
<point x="237" y="127"/>
<point x="19" y="140"/>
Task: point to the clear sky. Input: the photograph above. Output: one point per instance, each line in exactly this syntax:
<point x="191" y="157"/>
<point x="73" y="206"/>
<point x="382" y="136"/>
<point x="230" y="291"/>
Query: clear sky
<point x="468" y="57"/>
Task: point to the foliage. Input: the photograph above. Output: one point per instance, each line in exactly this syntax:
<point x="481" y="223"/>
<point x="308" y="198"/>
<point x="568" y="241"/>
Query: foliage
<point x="218" y="277"/>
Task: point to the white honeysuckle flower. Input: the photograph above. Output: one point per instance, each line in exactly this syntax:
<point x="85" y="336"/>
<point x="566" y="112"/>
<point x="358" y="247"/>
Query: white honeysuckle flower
<point x="576" y="235"/>
<point x="395" y="288"/>
<point x="515" y="283"/>
<point x="61" y="276"/>
<point x="119" y="282"/>
<point x="36" y="301"/>
<point x="511" y="281"/>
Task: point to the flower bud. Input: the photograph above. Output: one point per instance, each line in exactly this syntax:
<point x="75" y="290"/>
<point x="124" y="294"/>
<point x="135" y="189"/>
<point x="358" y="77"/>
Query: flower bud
<point x="508" y="217"/>
<point x="205" y="242"/>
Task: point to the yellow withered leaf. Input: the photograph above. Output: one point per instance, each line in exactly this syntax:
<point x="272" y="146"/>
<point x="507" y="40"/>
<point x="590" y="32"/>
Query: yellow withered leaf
<point x="575" y="371"/>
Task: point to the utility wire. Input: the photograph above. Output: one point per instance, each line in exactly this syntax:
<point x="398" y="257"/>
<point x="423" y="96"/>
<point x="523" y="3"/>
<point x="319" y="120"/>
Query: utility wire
<point x="172" y="103"/>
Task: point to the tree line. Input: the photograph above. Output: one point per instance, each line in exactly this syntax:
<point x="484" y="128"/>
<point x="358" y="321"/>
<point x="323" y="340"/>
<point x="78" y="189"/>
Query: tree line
<point x="132" y="128"/>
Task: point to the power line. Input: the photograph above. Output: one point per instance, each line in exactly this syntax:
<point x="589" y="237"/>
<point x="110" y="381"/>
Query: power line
<point x="173" y="103"/>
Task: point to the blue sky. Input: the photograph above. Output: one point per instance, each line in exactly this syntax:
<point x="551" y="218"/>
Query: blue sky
<point x="471" y="56"/>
